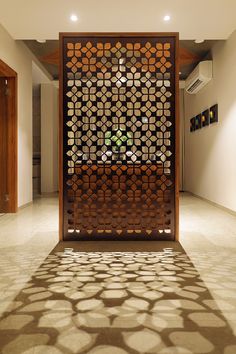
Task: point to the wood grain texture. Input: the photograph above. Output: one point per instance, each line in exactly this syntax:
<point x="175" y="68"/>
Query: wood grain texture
<point x="177" y="138"/>
<point x="61" y="226"/>
<point x="118" y="34"/>
<point x="6" y="71"/>
<point x="9" y="129"/>
<point x="3" y="146"/>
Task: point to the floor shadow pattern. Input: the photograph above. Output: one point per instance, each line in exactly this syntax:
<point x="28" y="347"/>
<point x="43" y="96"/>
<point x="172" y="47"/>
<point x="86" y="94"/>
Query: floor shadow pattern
<point x="115" y="302"/>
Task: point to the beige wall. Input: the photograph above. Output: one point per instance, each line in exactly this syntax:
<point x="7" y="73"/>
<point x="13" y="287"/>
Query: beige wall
<point x="210" y="153"/>
<point x="49" y="138"/>
<point x="17" y="56"/>
<point x="38" y="76"/>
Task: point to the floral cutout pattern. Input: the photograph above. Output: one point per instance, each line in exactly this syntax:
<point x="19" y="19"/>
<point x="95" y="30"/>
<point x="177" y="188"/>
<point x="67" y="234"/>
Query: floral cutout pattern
<point x="119" y="100"/>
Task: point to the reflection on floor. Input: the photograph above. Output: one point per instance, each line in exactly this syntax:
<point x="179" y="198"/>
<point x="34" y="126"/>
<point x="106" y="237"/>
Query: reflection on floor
<point x="117" y="297"/>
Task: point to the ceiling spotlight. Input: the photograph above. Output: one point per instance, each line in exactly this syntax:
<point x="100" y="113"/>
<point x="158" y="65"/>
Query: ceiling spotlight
<point x="41" y="40"/>
<point x="166" y="18"/>
<point x="180" y="73"/>
<point x="198" y="41"/>
<point x="74" y="18"/>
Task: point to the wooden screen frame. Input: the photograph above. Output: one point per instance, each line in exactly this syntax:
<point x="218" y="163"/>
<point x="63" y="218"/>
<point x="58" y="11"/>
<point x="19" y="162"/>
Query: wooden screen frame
<point x="174" y="35"/>
<point x="12" y="141"/>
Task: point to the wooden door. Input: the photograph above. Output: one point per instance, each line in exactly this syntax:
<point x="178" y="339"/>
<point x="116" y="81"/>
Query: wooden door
<point x="3" y="145"/>
<point x="8" y="139"/>
<point x="119" y="130"/>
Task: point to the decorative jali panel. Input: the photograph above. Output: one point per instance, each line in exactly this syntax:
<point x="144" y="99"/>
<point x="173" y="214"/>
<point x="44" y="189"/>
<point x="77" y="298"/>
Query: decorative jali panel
<point x="119" y="127"/>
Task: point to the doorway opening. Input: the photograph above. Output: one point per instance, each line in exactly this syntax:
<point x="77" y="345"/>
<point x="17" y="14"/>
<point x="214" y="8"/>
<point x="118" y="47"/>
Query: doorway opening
<point x="8" y="139"/>
<point x="36" y="140"/>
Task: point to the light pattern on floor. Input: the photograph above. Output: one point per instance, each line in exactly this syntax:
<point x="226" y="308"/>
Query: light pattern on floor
<point x="115" y="303"/>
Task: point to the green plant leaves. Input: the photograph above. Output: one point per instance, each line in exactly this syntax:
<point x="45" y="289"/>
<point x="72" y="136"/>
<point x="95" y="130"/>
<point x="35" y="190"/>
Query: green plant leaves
<point x="119" y="137"/>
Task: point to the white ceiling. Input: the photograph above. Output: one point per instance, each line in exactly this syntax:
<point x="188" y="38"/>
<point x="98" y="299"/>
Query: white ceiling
<point x="44" y="19"/>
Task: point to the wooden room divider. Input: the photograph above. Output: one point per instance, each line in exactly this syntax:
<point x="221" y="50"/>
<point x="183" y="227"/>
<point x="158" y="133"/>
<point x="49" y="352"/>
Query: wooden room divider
<point x="119" y="136"/>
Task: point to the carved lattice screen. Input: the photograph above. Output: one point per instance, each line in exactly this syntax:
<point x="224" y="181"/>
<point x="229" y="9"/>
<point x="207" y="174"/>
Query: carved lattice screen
<point x="119" y="128"/>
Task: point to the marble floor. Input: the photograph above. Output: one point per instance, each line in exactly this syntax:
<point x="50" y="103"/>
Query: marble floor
<point x="118" y="298"/>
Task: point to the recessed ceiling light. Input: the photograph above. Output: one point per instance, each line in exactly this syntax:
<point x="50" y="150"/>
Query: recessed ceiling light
<point x="166" y="18"/>
<point x="41" y="40"/>
<point x="74" y="18"/>
<point x="198" y="41"/>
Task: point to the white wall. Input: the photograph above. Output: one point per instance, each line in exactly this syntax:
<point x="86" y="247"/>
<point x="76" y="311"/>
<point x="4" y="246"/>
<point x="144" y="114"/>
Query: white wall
<point x="210" y="153"/>
<point x="49" y="138"/>
<point x="17" y="56"/>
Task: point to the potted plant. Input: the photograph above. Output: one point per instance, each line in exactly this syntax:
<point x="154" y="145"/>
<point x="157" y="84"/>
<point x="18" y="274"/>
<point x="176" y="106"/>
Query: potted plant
<point x="119" y="140"/>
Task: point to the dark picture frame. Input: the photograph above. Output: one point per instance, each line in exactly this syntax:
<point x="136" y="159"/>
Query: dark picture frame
<point x="205" y="118"/>
<point x="198" y="122"/>
<point x="214" y="114"/>
<point x="192" y="124"/>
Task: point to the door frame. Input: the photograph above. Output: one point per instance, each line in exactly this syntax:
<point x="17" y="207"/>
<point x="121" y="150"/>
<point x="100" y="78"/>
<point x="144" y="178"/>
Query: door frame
<point x="12" y="141"/>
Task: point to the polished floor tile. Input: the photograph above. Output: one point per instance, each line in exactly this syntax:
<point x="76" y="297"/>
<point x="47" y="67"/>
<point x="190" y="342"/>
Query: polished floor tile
<point x="118" y="297"/>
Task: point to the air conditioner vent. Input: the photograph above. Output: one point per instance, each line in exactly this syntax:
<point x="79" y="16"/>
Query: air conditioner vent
<point x="195" y="85"/>
<point x="200" y="76"/>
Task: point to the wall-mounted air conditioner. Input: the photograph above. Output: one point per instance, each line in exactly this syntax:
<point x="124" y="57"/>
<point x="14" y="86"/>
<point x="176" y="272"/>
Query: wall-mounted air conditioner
<point x="199" y="77"/>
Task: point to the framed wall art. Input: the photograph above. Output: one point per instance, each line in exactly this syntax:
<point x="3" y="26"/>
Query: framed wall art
<point x="198" y="122"/>
<point x="214" y="114"/>
<point x="192" y="124"/>
<point x="205" y="118"/>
